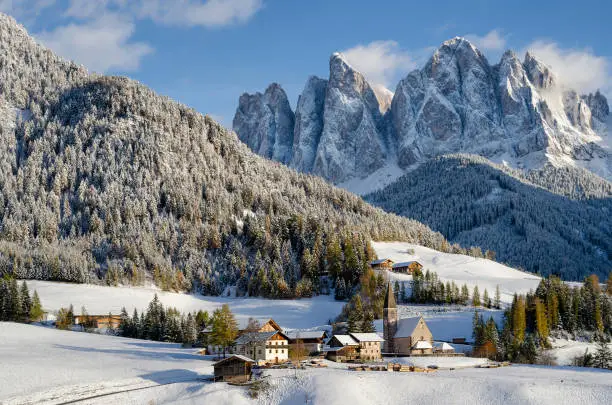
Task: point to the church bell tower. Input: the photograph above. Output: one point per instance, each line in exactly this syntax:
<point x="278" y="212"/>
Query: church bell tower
<point x="389" y="320"/>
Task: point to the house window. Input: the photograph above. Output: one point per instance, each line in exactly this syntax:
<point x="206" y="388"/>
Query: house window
<point x="276" y="350"/>
<point x="270" y="351"/>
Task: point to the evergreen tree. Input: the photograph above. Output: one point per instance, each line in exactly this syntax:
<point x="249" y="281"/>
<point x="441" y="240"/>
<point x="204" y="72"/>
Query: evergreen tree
<point x="603" y="355"/>
<point x="26" y="303"/>
<point x="190" y="332"/>
<point x="36" y="310"/>
<point x="368" y="323"/>
<point x="125" y="327"/>
<point x="497" y="301"/>
<point x="486" y="300"/>
<point x="465" y="294"/>
<point x="476" y="297"/>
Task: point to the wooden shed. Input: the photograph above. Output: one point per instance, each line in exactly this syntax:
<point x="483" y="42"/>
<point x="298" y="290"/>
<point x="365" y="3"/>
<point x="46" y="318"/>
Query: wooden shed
<point x="236" y="369"/>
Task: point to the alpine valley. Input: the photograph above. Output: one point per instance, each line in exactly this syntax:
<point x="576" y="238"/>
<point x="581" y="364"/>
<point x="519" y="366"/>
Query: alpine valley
<point x="504" y="156"/>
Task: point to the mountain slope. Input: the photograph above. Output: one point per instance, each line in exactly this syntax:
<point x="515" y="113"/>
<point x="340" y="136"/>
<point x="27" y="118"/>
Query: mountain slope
<point x="477" y="203"/>
<point x="103" y="178"/>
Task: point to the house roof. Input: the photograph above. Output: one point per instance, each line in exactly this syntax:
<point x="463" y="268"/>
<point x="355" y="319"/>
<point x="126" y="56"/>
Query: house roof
<point x="379" y="261"/>
<point x="305" y="334"/>
<point x="422" y="344"/>
<point x="235" y="356"/>
<point x="404" y="264"/>
<point x="406" y="326"/>
<point x="346" y="340"/>
<point x="250" y="337"/>
<point x="367" y="337"/>
<point x="444" y="346"/>
<point x="243" y="323"/>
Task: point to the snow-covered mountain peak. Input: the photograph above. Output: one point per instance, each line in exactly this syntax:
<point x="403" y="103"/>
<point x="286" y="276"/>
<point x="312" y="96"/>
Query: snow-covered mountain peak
<point x="516" y="111"/>
<point x="539" y="73"/>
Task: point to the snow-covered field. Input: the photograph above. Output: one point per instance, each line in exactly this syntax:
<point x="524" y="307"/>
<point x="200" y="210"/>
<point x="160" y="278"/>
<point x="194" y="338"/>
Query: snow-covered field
<point x="48" y="366"/>
<point x="291" y="314"/>
<point x="460" y="268"/>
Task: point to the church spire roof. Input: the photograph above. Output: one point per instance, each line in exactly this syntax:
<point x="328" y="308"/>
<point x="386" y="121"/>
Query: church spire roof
<point x="389" y="297"/>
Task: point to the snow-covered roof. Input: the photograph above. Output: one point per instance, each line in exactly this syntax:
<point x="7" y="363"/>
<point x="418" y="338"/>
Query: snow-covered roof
<point x="235" y="356"/>
<point x="345" y="340"/>
<point x="305" y="334"/>
<point x="422" y="344"/>
<point x="444" y="346"/>
<point x="404" y="264"/>
<point x="256" y="337"/>
<point x="367" y="337"/>
<point x="406" y="326"/>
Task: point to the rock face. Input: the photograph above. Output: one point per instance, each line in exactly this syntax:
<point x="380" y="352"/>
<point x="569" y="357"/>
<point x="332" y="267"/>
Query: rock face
<point x="515" y="111"/>
<point x="308" y="124"/>
<point x="351" y="144"/>
<point x="265" y="123"/>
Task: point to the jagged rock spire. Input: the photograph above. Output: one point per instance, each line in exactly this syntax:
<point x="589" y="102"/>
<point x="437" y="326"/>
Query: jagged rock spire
<point x="390" y="297"/>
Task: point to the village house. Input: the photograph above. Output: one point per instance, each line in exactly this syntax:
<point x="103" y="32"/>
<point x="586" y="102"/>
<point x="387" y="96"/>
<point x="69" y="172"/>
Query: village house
<point x="312" y="341"/>
<point x="264" y="347"/>
<point x="342" y="348"/>
<point x="264" y="325"/>
<point x="407" y="267"/>
<point x="408" y="336"/>
<point x="381" y="264"/>
<point x="98" y="321"/>
<point x="369" y="345"/>
<point x="354" y="346"/>
<point x="236" y="369"/>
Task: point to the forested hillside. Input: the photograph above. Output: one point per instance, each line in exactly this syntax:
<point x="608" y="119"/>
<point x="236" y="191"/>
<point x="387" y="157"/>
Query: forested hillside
<point x="526" y="225"/>
<point x="102" y="179"/>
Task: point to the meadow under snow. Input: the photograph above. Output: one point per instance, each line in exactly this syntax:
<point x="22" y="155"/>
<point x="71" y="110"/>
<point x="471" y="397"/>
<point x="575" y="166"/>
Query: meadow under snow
<point x="48" y="366"/>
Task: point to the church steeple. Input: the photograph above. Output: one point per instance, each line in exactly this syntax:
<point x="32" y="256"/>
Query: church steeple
<point x="389" y="297"/>
<point x="389" y="320"/>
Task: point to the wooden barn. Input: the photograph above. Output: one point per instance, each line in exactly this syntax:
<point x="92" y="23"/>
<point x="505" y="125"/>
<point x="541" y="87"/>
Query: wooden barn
<point x="342" y="354"/>
<point x="407" y="267"/>
<point x="381" y="264"/>
<point x="98" y="321"/>
<point x="236" y="369"/>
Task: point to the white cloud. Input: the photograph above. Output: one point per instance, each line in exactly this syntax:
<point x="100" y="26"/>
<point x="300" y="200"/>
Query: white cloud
<point x="381" y="62"/>
<point x="25" y="9"/>
<point x="492" y="41"/>
<point x="579" y="69"/>
<point x="101" y="44"/>
<point x="209" y="13"/>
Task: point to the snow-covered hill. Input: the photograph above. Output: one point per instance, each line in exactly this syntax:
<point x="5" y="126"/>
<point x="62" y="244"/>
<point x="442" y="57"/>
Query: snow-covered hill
<point x="460" y="268"/>
<point x="47" y="366"/>
<point x="291" y="314"/>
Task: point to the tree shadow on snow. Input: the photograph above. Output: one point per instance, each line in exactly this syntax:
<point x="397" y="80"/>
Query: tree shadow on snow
<point x="145" y="354"/>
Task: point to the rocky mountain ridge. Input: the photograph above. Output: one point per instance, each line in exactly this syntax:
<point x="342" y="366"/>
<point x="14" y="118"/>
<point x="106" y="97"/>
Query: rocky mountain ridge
<point x="515" y="112"/>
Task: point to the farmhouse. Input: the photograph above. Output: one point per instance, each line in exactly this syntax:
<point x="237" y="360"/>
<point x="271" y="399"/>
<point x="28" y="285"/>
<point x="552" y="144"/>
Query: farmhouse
<point x="381" y="264"/>
<point x="407" y="267"/>
<point x="98" y="321"/>
<point x="408" y="336"/>
<point x="312" y="340"/>
<point x="233" y="369"/>
<point x="266" y="347"/>
<point x="369" y="345"/>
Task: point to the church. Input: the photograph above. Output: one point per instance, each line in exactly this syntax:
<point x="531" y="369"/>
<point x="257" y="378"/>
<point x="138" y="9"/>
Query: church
<point x="407" y="336"/>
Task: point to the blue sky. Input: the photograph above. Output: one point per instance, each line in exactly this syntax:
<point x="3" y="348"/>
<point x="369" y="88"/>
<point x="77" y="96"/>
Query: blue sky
<point x="205" y="53"/>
